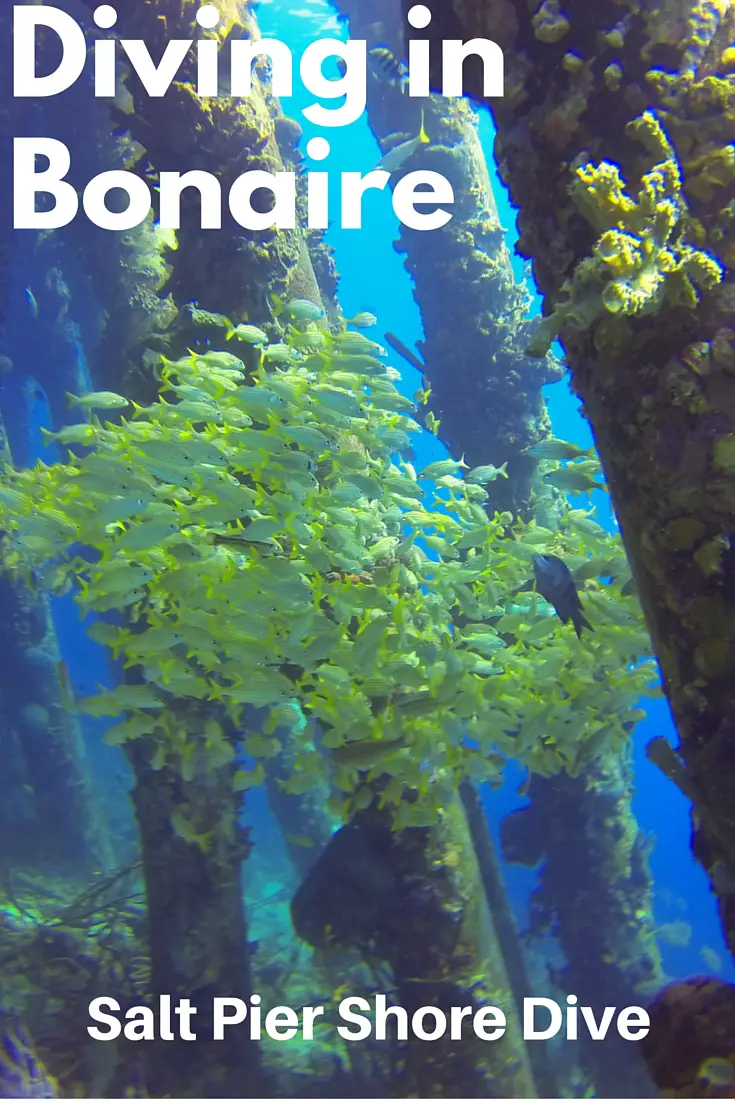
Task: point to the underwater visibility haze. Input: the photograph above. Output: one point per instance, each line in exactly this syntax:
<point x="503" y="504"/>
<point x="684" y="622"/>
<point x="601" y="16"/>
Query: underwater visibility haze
<point x="367" y="600"/>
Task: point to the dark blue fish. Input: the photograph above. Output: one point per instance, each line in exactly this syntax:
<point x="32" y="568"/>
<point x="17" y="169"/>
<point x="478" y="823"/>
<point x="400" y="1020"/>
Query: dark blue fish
<point x="410" y="357"/>
<point x="556" y="585"/>
<point x="22" y="1074"/>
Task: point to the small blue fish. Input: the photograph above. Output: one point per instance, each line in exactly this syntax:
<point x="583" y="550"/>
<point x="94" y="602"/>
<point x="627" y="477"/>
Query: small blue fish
<point x="22" y="1074"/>
<point x="32" y="303"/>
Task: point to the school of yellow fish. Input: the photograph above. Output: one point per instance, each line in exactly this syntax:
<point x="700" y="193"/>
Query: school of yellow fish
<point x="263" y="543"/>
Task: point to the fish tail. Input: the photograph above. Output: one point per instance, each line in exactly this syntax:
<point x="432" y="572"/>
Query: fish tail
<point x="423" y="136"/>
<point x="580" y="623"/>
<point x="47" y="436"/>
<point x="410" y="357"/>
<point x="73" y="399"/>
<point x="119" y="646"/>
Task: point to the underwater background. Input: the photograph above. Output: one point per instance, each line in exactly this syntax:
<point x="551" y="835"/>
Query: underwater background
<point x="54" y="319"/>
<point x="659" y="807"/>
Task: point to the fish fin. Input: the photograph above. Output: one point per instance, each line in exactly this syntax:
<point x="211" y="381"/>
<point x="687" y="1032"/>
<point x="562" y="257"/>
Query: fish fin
<point x="119" y="646"/>
<point x="423" y="136"/>
<point x="580" y="623"/>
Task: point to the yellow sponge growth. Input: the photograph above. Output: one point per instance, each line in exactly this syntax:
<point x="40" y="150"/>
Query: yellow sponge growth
<point x="549" y="23"/>
<point x="640" y="259"/>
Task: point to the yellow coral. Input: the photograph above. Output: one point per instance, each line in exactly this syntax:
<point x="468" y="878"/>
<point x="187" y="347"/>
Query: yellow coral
<point x="549" y="23"/>
<point x="640" y="257"/>
<point x="603" y="200"/>
<point x="615" y="39"/>
<point x="689" y="28"/>
<point x="572" y="62"/>
<point x="704" y="22"/>
<point x="613" y="76"/>
<point x="706" y="173"/>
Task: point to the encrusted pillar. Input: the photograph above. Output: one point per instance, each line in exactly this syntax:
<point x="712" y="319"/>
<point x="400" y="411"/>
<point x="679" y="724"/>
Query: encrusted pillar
<point x="613" y="139"/>
<point x="416" y="900"/>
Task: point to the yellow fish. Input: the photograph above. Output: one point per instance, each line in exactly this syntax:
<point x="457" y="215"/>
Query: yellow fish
<point x="396" y="158"/>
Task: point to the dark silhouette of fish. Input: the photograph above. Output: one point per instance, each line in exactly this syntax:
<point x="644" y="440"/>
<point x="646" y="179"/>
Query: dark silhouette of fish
<point x="556" y="585"/>
<point x="398" y="346"/>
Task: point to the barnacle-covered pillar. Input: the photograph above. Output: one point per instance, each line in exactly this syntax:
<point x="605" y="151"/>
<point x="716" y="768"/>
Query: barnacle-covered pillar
<point x="475" y="315"/>
<point x="198" y="932"/>
<point x="198" y="950"/>
<point x="50" y="820"/>
<point x="48" y="817"/>
<point x="595" y="896"/>
<point x="506" y="929"/>
<point x="239" y="269"/>
<point x="624" y="112"/>
<point x="416" y="900"/>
